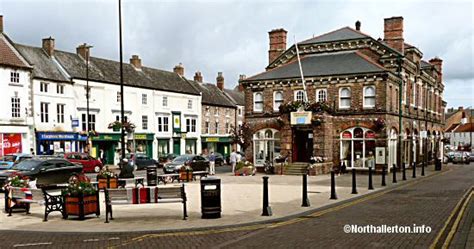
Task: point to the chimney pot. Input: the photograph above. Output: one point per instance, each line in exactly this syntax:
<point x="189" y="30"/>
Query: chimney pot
<point x="136" y="62"/>
<point x="220" y="81"/>
<point x="179" y="69"/>
<point x="1" y="24"/>
<point x="198" y="77"/>
<point x="393" y="33"/>
<point x="277" y="42"/>
<point x="83" y="51"/>
<point x="48" y="46"/>
<point x="438" y="65"/>
<point x="357" y="25"/>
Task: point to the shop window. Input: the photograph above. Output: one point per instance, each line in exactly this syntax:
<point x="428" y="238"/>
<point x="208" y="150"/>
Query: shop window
<point x="277" y="100"/>
<point x="266" y="144"/>
<point x="258" y="102"/>
<point x="358" y="147"/>
<point x="344" y="98"/>
<point x="369" y="97"/>
<point x="321" y="95"/>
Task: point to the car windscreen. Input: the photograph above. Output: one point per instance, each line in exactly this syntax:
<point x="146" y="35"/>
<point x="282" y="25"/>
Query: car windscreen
<point x="27" y="165"/>
<point x="181" y="159"/>
<point x="8" y="158"/>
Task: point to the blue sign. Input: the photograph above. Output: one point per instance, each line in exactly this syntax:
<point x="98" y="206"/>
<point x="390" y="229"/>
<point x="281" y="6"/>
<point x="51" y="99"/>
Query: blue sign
<point x="75" y="122"/>
<point x="57" y="136"/>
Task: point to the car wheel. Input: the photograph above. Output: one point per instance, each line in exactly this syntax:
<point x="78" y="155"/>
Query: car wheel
<point x="96" y="169"/>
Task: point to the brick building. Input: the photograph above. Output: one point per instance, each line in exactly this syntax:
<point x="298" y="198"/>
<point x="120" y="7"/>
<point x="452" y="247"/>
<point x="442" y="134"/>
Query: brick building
<point x="353" y="86"/>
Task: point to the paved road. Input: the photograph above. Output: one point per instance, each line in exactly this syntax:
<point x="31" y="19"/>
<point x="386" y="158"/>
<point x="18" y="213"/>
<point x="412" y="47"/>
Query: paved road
<point x="428" y="202"/>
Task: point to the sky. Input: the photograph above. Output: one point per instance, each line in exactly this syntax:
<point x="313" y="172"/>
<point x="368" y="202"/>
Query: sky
<point x="232" y="36"/>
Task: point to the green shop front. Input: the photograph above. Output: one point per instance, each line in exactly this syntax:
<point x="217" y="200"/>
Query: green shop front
<point x="110" y="142"/>
<point x="222" y="145"/>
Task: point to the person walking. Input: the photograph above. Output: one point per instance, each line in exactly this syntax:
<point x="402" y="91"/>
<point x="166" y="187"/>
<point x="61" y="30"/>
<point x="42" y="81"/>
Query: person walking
<point x="212" y="163"/>
<point x="233" y="160"/>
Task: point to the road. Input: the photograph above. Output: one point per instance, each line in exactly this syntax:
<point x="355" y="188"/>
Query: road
<point x="429" y="201"/>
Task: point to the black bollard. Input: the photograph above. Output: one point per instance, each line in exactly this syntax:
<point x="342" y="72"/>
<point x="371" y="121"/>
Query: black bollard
<point x="333" y="186"/>
<point x="267" y="210"/>
<point x="423" y="169"/>
<point x="404" y="174"/>
<point x="394" y="171"/>
<point x="371" y="186"/>
<point x="383" y="176"/>
<point x="354" y="184"/>
<point x="305" y="191"/>
<point x="414" y="170"/>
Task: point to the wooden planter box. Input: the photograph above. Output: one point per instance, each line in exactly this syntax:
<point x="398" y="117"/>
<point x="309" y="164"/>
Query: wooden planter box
<point x="184" y="176"/>
<point x="82" y="205"/>
<point x="102" y="183"/>
<point x="246" y="171"/>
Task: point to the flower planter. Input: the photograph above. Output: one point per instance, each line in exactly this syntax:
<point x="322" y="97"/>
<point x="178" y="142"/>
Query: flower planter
<point x="102" y="183"/>
<point x="184" y="176"/>
<point x="245" y="171"/>
<point x="82" y="205"/>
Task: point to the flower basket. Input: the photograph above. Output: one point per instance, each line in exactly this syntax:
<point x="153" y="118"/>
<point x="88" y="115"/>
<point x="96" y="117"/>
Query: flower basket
<point x="186" y="174"/>
<point x="379" y="124"/>
<point x="246" y="171"/>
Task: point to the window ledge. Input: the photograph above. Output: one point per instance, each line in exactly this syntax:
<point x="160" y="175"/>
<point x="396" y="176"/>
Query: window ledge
<point x="15" y="84"/>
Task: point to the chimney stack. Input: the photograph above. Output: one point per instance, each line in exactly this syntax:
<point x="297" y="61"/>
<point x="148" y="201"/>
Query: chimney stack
<point x="83" y="51"/>
<point x="438" y="65"/>
<point x="242" y="77"/>
<point x="220" y="81"/>
<point x="179" y="69"/>
<point x="48" y="46"/>
<point x="198" y="77"/>
<point x="393" y="33"/>
<point x="136" y="62"/>
<point x="358" y="25"/>
<point x="277" y="44"/>
<point x="1" y="24"/>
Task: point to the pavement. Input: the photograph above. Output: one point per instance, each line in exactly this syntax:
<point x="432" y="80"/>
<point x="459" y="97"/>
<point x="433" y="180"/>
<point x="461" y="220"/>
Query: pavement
<point x="241" y="204"/>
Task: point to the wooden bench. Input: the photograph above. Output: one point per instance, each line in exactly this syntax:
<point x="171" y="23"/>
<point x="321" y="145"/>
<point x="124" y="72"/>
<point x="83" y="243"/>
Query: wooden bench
<point x="165" y="178"/>
<point x="201" y="174"/>
<point x="136" y="182"/>
<point x="148" y="195"/>
<point x="37" y="196"/>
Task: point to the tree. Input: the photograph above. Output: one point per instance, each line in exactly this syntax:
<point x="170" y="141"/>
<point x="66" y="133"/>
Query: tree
<point x="241" y="135"/>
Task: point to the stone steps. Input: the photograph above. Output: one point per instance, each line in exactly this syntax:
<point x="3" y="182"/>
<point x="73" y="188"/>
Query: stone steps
<point x="296" y="168"/>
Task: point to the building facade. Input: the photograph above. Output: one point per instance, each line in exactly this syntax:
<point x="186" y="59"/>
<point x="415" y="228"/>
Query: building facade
<point x="348" y="111"/>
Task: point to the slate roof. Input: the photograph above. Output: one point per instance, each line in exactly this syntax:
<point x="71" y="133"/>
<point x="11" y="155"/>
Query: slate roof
<point x="104" y="70"/>
<point x="345" y="33"/>
<point x="425" y="64"/>
<point x="43" y="66"/>
<point x="236" y="96"/>
<point x="212" y="95"/>
<point x="341" y="63"/>
<point x="8" y="57"/>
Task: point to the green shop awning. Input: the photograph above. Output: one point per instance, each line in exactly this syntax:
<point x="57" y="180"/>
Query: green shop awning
<point x="216" y="139"/>
<point x="107" y="137"/>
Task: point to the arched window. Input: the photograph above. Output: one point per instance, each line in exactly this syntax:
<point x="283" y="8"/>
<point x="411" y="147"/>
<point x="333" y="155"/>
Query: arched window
<point x="258" y="102"/>
<point x="299" y="95"/>
<point x="321" y="95"/>
<point x="369" y="97"/>
<point x="277" y="100"/>
<point x="266" y="145"/>
<point x="358" y="147"/>
<point x="345" y="98"/>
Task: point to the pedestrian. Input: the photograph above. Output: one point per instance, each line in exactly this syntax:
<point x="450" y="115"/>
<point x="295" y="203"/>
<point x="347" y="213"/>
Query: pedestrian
<point x="212" y="163"/>
<point x="102" y="157"/>
<point x="233" y="160"/>
<point x="239" y="157"/>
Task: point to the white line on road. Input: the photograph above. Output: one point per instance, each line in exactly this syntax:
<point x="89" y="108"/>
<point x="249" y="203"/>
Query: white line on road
<point x="113" y="238"/>
<point x="33" y="244"/>
<point x="91" y="240"/>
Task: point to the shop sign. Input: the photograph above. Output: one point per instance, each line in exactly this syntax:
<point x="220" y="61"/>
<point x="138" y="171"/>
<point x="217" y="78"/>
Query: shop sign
<point x="176" y="121"/>
<point x="369" y="134"/>
<point x="107" y="137"/>
<point x="346" y="134"/>
<point x="212" y="139"/>
<point x="140" y="136"/>
<point x="380" y="155"/>
<point x="57" y="136"/>
<point x="11" y="143"/>
<point x="75" y="122"/>
<point x="300" y="118"/>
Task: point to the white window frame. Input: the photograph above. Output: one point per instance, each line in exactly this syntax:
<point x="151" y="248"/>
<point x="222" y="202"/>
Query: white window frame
<point x="44" y="112"/>
<point x="295" y="94"/>
<point x="191" y="125"/>
<point x="365" y="105"/>
<point x="14" y="77"/>
<point x="260" y="101"/>
<point x="60" y="89"/>
<point x="164" y="101"/>
<point x="44" y="87"/>
<point x="16" y="107"/>
<point x="190" y="104"/>
<point x="144" y="99"/>
<point x="318" y="91"/>
<point x="277" y="102"/>
<point x="164" y="127"/>
<point x="341" y="97"/>
<point x="60" y="113"/>
<point x="144" y="122"/>
<point x="119" y="96"/>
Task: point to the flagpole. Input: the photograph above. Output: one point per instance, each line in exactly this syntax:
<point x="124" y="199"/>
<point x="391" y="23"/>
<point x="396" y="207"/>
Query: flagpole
<point x="301" y="71"/>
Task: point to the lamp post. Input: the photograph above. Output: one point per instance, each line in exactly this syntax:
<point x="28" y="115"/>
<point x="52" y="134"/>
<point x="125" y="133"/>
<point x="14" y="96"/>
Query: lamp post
<point x="124" y="172"/>
<point x="88" y="128"/>
<point x="400" y="112"/>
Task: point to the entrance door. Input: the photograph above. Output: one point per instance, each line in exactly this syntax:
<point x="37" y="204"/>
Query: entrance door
<point x="176" y="147"/>
<point x="302" y="146"/>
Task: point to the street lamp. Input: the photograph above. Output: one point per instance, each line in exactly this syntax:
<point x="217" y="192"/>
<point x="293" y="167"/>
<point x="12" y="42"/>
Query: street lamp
<point x="87" y="55"/>
<point x="400" y="113"/>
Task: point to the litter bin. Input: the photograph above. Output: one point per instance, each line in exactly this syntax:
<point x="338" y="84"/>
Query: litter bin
<point x="211" y="198"/>
<point x="437" y="164"/>
<point x="151" y="175"/>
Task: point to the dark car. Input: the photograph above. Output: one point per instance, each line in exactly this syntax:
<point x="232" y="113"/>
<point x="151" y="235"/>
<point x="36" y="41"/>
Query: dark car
<point x="45" y="171"/>
<point x="142" y="161"/>
<point x="7" y="161"/>
<point x="197" y="163"/>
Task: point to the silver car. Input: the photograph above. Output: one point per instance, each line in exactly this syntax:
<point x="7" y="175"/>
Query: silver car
<point x="461" y="157"/>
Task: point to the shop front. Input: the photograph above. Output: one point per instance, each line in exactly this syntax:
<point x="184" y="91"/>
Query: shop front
<point x="163" y="147"/>
<point x="266" y="146"/>
<point x="10" y="143"/>
<point x="48" y="143"/>
<point x="144" y="143"/>
<point x="221" y="145"/>
<point x="357" y="147"/>
<point x="109" y="143"/>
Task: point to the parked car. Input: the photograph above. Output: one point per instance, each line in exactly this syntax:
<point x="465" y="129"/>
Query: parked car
<point x="141" y="161"/>
<point x="197" y="163"/>
<point x="7" y="161"/>
<point x="461" y="157"/>
<point x="89" y="163"/>
<point x="167" y="158"/>
<point x="450" y="156"/>
<point x="44" y="171"/>
<point x="220" y="160"/>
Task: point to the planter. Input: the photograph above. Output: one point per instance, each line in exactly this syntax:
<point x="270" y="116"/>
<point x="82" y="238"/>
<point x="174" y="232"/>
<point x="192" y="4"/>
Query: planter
<point x="245" y="171"/>
<point x="116" y="128"/>
<point x="102" y="183"/>
<point x="82" y="205"/>
<point x="186" y="176"/>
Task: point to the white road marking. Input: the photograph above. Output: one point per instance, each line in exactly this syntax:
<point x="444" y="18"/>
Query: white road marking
<point x="33" y="244"/>
<point x="114" y="238"/>
<point x="91" y="240"/>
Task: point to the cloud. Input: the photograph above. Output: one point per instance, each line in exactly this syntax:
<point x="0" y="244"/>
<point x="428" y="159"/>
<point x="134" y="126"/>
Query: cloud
<point x="231" y="36"/>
